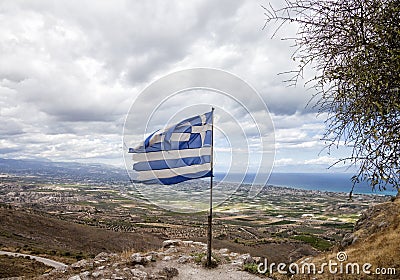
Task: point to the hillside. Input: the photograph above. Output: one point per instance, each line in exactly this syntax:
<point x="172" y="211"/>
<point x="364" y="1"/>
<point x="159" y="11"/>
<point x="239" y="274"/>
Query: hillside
<point x="375" y="241"/>
<point x="14" y="267"/>
<point x="36" y="233"/>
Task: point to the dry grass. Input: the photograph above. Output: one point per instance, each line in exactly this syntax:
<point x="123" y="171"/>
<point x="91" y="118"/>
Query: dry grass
<point x="126" y="254"/>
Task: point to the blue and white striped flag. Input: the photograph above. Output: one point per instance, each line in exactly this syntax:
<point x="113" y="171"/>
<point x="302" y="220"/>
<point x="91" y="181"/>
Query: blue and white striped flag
<point x="178" y="153"/>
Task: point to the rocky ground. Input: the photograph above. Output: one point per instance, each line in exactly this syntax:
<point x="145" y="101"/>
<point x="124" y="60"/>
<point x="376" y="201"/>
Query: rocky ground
<point x="175" y="260"/>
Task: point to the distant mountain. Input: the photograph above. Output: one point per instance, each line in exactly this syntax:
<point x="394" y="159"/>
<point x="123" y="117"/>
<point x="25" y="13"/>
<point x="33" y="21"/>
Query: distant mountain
<point x="66" y="170"/>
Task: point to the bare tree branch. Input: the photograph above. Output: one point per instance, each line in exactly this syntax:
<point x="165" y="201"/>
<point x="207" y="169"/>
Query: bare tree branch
<point x="354" y="46"/>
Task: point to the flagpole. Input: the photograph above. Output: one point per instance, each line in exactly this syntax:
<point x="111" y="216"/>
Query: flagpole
<point x="211" y="187"/>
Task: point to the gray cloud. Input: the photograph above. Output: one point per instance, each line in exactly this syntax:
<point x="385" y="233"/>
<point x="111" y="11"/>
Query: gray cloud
<point x="69" y="70"/>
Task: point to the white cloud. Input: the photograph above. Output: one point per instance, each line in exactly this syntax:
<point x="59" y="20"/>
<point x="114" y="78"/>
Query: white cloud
<point x="69" y="70"/>
<point x="283" y="161"/>
<point x="326" y="160"/>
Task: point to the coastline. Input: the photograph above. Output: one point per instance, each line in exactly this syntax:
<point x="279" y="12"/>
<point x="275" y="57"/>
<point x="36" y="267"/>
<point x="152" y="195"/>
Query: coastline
<point x="329" y="182"/>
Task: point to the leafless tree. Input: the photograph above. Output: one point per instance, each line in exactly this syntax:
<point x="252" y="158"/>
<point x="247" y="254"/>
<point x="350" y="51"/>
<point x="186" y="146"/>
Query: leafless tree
<point x="354" y="48"/>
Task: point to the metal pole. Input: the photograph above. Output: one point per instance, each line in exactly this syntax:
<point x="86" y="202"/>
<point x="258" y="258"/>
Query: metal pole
<point x="211" y="186"/>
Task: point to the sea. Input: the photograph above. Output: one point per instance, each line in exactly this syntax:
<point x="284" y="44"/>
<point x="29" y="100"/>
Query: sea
<point x="331" y="182"/>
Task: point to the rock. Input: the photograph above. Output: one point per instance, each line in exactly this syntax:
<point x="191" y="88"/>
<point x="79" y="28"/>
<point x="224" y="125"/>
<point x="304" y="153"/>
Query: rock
<point x="157" y="277"/>
<point x="185" y="259"/>
<point x="244" y="256"/>
<point x="136" y="258"/>
<point x="138" y="273"/>
<point x="223" y="251"/>
<point x="153" y="255"/>
<point x="139" y="266"/>
<point x="200" y="244"/>
<point x="102" y="255"/>
<point x="347" y="240"/>
<point x="248" y="260"/>
<point x="171" y="250"/>
<point x="79" y="264"/>
<point x="187" y="243"/>
<point x="169" y="272"/>
<point x="152" y="276"/>
<point x="167" y="258"/>
<point x="238" y="263"/>
<point x="244" y="259"/>
<point x="116" y="277"/>
<point x="383" y="224"/>
<point x="160" y="254"/>
<point x="75" y="277"/>
<point x="61" y="269"/>
<point x="172" y="242"/>
<point x="97" y="273"/>
<point x="84" y="274"/>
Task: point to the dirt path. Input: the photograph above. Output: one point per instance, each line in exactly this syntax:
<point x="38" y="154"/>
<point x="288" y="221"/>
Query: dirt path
<point x="223" y="272"/>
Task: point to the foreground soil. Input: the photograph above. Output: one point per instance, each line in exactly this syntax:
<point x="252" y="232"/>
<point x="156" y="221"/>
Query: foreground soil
<point x="177" y="259"/>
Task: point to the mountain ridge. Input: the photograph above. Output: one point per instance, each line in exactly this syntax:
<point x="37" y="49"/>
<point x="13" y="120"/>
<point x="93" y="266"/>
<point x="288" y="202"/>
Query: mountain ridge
<point x="70" y="170"/>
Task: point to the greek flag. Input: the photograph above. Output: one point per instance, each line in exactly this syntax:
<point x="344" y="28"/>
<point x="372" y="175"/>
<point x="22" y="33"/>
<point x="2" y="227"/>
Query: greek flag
<point x="178" y="153"/>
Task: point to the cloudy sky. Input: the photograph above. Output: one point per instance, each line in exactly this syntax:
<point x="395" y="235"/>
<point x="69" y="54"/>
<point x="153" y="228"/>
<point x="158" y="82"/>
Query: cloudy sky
<point x="70" y="71"/>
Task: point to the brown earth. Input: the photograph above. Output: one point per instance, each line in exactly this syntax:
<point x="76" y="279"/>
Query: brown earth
<point x="27" y="232"/>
